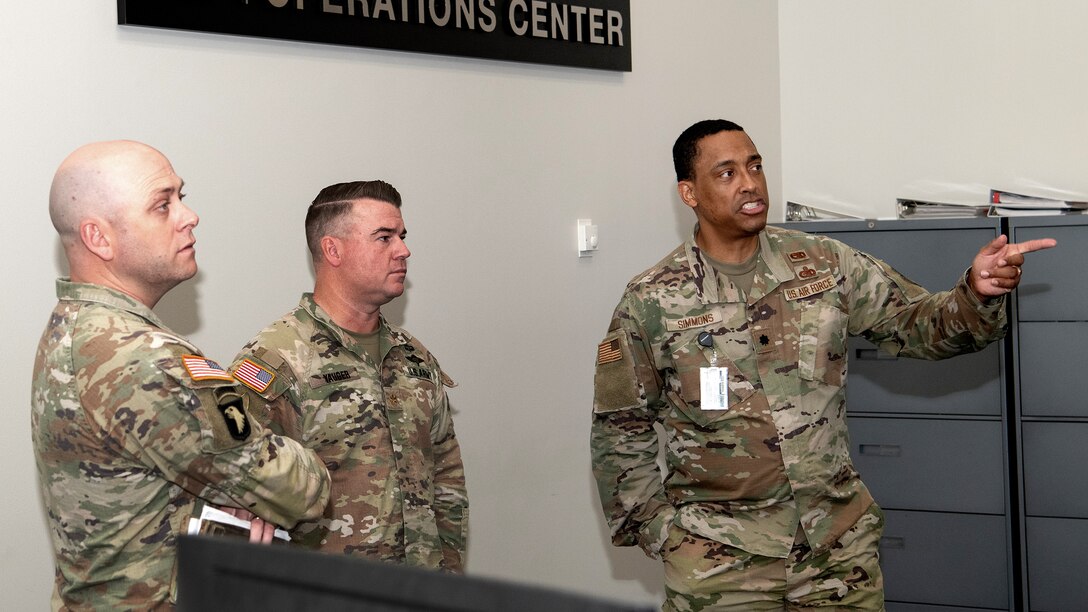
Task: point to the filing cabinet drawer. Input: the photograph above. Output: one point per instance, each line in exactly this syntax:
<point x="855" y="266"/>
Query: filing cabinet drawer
<point x="967" y="384"/>
<point x="1055" y="456"/>
<point x="1055" y="284"/>
<point x="935" y="259"/>
<point x="949" y="559"/>
<point x="1056" y="566"/>
<point x="1053" y="379"/>
<point x="931" y="464"/>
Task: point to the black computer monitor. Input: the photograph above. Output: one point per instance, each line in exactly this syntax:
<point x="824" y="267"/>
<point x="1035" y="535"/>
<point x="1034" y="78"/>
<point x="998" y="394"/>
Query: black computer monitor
<point x="228" y="574"/>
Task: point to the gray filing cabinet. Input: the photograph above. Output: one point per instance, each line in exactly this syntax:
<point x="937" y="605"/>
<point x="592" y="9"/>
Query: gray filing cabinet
<point x="1051" y="405"/>
<point x="930" y="438"/>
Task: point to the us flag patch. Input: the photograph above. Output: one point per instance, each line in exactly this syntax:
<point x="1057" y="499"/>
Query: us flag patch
<point x="202" y="368"/>
<point x="253" y="375"/>
<point x="608" y="351"/>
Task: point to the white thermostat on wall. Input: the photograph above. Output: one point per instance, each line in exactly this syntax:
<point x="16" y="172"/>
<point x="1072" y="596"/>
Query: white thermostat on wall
<point x="587" y="237"/>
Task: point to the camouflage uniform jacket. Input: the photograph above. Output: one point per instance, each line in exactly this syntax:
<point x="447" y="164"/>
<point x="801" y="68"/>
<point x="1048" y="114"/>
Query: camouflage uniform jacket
<point x="130" y="426"/>
<point x="385" y="432"/>
<point x="779" y="455"/>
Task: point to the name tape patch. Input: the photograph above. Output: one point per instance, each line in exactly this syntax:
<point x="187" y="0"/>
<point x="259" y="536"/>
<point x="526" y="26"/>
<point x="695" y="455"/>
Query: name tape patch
<point x="702" y="320"/>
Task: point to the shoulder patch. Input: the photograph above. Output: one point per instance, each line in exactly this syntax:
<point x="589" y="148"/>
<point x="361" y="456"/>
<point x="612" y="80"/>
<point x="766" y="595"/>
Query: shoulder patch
<point x="254" y="375"/>
<point x="202" y="368"/>
<point x="609" y="351"/>
<point x="233" y="409"/>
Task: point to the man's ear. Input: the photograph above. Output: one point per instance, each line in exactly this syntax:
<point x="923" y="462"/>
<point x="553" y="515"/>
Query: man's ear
<point x="332" y="251"/>
<point x="686" y="189"/>
<point x="95" y="235"/>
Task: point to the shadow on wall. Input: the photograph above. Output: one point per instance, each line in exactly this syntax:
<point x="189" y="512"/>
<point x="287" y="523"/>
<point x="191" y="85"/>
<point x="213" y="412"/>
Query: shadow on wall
<point x="394" y="310"/>
<point x="59" y="258"/>
<point x="180" y="307"/>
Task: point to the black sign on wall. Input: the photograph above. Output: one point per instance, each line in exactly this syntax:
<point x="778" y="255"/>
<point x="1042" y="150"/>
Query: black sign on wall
<point x="583" y="33"/>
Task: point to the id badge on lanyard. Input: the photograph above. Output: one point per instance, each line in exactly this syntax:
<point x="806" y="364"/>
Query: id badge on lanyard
<point x="713" y="380"/>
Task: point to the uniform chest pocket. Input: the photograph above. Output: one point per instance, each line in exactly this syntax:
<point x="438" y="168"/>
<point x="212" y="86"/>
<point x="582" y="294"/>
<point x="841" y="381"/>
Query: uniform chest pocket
<point x="688" y="392"/>
<point x="822" y="344"/>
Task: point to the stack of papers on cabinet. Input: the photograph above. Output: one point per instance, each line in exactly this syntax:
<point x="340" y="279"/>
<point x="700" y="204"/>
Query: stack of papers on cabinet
<point x="1039" y="201"/>
<point x="907" y="208"/>
<point x="796" y="211"/>
<point x="924" y="199"/>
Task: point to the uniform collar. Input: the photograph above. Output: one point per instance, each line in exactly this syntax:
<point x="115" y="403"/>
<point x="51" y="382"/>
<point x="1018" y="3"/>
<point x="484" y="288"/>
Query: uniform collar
<point x="387" y="336"/>
<point x="771" y="269"/>
<point x="100" y="294"/>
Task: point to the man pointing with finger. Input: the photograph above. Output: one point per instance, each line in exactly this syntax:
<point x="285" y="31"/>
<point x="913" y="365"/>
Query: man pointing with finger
<point x="734" y="346"/>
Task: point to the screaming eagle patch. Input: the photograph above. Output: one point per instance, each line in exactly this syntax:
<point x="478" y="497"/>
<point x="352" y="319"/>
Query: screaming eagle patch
<point x="233" y="409"/>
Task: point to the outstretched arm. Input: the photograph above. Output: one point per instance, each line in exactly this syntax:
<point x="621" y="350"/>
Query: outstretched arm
<point x="995" y="271"/>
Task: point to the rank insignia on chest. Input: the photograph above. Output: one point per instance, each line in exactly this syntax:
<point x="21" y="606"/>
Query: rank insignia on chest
<point x="202" y="368"/>
<point x="254" y="375"/>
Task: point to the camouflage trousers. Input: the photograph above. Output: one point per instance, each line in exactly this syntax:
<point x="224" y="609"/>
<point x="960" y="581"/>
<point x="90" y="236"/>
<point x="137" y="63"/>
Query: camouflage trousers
<point x="705" y="575"/>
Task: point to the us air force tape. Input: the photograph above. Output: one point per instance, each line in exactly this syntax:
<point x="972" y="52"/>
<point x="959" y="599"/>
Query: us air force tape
<point x="816" y="286"/>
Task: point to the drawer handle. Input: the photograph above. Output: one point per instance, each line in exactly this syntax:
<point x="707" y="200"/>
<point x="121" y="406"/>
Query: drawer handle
<point x="881" y="450"/>
<point x="895" y="542"/>
<point x="872" y="354"/>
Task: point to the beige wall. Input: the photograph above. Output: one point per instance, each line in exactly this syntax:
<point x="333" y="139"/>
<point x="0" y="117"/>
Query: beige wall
<point x="881" y="98"/>
<point x="496" y="162"/>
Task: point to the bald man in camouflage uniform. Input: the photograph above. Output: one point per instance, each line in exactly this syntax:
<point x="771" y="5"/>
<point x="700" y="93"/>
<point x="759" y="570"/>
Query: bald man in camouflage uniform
<point x="736" y="344"/>
<point x="363" y="393"/>
<point x="132" y="425"/>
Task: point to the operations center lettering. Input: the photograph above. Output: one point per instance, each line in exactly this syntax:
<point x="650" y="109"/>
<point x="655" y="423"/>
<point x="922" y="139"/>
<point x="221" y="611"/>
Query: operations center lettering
<point x="537" y="18"/>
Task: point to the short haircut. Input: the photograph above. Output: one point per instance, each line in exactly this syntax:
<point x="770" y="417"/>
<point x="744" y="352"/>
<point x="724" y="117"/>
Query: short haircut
<point x="686" y="149"/>
<point x="333" y="203"/>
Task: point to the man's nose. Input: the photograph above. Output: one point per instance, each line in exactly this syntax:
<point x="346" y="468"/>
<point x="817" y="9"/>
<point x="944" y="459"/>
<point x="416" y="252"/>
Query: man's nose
<point x="189" y="218"/>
